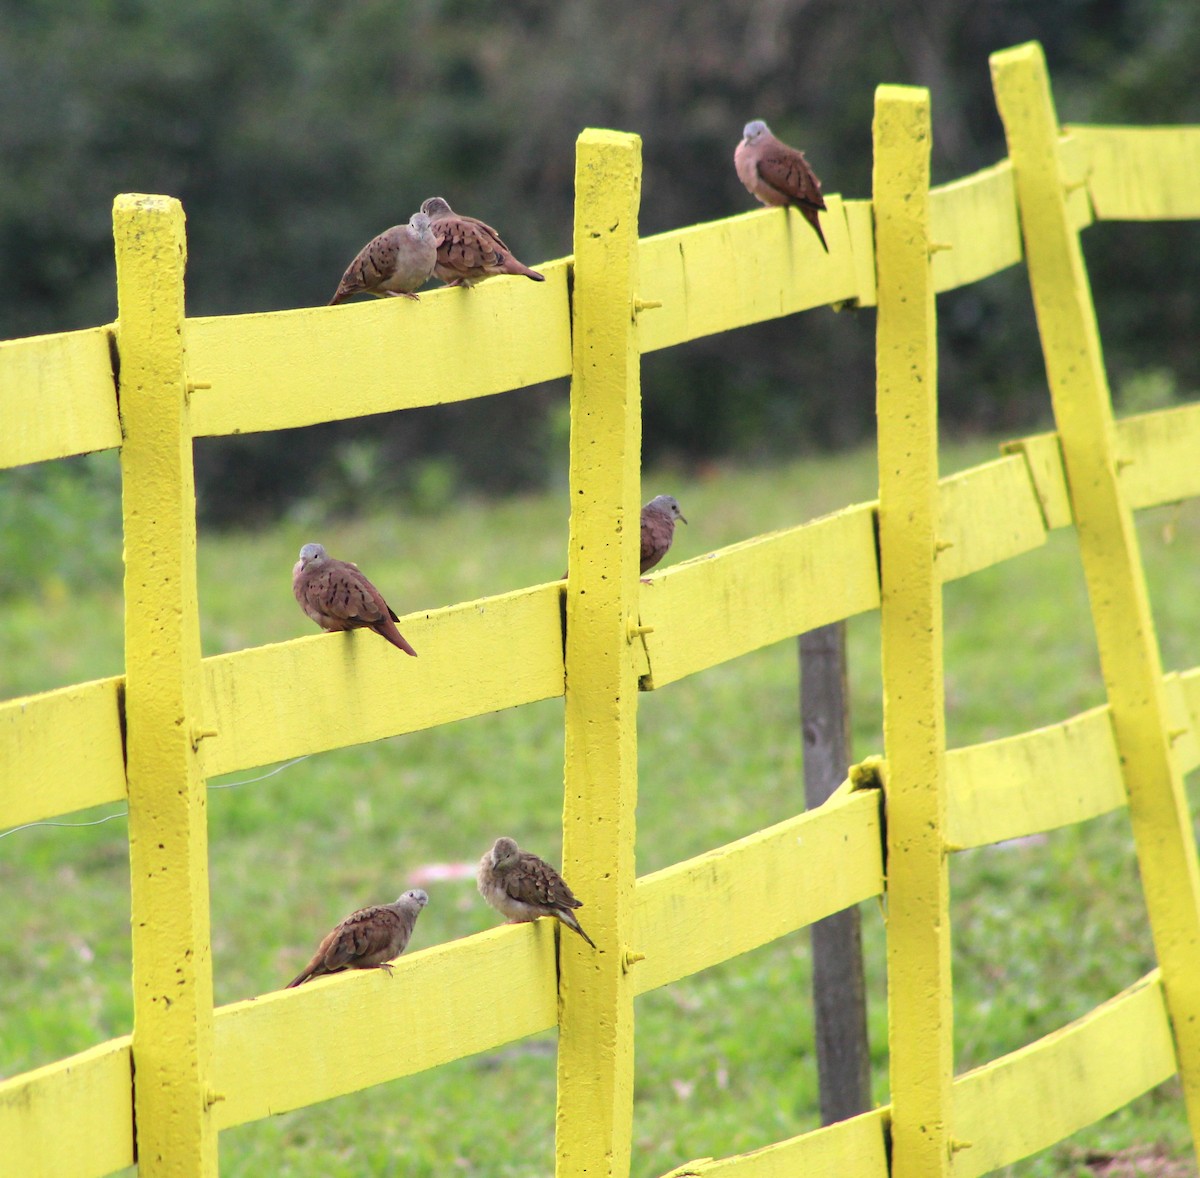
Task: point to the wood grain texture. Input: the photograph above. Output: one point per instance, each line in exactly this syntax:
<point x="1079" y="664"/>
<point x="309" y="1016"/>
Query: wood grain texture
<point x="1043" y="457"/>
<point x="168" y="816"/>
<point x="1032" y="782"/>
<point x="741" y="270"/>
<point x="1130" y="660"/>
<point x="273" y="702"/>
<point x="920" y="1011"/>
<point x="973" y="224"/>
<point x="72" y="1118"/>
<point x="855" y="1148"/>
<point x="987" y="515"/>
<point x="1142" y="173"/>
<point x="59" y="397"/>
<point x="1156" y="456"/>
<point x="282" y="369"/>
<point x="715" y="607"/>
<point x="1025" y="1101"/>
<point x="705" y="910"/>
<point x="293" y="1048"/>
<point x="61" y="751"/>
<point x="594" y="1115"/>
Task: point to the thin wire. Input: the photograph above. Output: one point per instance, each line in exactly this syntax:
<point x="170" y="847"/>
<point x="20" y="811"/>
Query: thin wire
<point x="123" y="813"/>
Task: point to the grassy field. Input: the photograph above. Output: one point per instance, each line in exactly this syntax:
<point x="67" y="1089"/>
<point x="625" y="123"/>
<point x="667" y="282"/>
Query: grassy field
<point x="1043" y="930"/>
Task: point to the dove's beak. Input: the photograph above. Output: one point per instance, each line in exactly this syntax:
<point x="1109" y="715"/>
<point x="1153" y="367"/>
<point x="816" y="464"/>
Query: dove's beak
<point x="683" y="517"/>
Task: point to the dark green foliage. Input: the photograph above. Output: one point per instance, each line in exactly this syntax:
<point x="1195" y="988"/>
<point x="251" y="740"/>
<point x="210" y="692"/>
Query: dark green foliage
<point x="294" y="131"/>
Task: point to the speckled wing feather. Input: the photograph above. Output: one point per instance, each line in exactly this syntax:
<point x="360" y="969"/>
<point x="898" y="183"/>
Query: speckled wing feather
<point x="337" y="596"/>
<point x="366" y="938"/>
<point x="470" y="250"/>
<point x="535" y="882"/>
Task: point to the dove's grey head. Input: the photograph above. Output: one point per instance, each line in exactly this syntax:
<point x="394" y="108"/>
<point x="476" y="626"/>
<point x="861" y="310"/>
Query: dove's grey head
<point x="419" y="221"/>
<point x="418" y="896"/>
<point x="505" y="852"/>
<point x="668" y="505"/>
<point x="436" y="207"/>
<point x="311" y="553"/>
<point x="755" y="130"/>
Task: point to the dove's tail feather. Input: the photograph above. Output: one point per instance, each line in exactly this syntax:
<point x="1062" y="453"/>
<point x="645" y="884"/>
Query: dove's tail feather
<point x="387" y="629"/>
<point x="810" y="215"/>
<point x="568" y="918"/>
<point x="512" y="266"/>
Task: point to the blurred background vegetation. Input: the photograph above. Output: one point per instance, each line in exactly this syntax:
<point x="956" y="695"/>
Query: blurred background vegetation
<point x="294" y="130"/>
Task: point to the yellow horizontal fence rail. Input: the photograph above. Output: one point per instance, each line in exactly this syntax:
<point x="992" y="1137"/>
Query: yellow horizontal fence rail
<point x="154" y="735"/>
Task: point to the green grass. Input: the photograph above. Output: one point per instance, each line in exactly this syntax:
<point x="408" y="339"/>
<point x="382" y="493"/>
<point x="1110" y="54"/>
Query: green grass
<point x="1043" y="930"/>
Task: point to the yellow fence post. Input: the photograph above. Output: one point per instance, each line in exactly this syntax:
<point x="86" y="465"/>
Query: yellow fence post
<point x="168" y="843"/>
<point x="595" y="1051"/>
<point x="918" y="922"/>
<point x="1125" y="635"/>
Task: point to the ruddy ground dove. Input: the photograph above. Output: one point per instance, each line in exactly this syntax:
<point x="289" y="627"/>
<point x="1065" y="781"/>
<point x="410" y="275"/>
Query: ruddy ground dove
<point x="366" y="939"/>
<point x="469" y="250"/>
<point x="658" y="528"/>
<point x="522" y="887"/>
<point x="777" y="174"/>
<point x="336" y="595"/>
<point x="395" y="263"/>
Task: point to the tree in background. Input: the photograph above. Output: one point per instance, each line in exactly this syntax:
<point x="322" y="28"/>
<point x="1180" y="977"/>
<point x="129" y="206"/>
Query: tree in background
<point x="294" y="130"/>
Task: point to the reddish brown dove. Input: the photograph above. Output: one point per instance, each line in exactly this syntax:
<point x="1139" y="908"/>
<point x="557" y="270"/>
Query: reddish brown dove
<point x="777" y="174"/>
<point x="338" y="597"/>
<point x="366" y="939"/>
<point x="522" y="887"/>
<point x="395" y="263"/>
<point x="469" y="250"/>
<point x="658" y="528"/>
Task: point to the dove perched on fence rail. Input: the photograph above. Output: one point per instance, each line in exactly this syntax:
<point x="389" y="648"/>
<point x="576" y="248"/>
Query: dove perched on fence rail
<point x="366" y="939"/>
<point x="469" y="250"/>
<point x="337" y="596"/>
<point x="777" y="174"/>
<point x="522" y="887"/>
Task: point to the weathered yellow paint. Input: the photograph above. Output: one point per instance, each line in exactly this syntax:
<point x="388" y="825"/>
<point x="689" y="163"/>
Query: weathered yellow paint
<point x="57" y="396"/>
<point x="1128" y="648"/>
<point x="291" y="368"/>
<point x="856" y="1148"/>
<point x="1157" y="456"/>
<point x="1035" y="781"/>
<point x="293" y="1048"/>
<point x="987" y="515"/>
<point x="1155" y="460"/>
<point x="860" y="222"/>
<point x="735" y="898"/>
<point x="1142" y="173"/>
<point x="741" y="270"/>
<point x="72" y="1118"/>
<point x="1025" y="1101"/>
<point x="270" y="703"/>
<point x="973" y="223"/>
<point x="1184" y="732"/>
<point x="729" y="602"/>
<point x="64" y="748"/>
<point x="1043" y="457"/>
<point x="595" y="1051"/>
<point x="919" y="999"/>
<point x="168" y="838"/>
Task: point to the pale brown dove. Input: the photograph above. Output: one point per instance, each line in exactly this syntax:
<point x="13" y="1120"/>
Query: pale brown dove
<point x="395" y="263"/>
<point x="658" y="528"/>
<point x="366" y="939"/>
<point x="777" y="174"/>
<point x="468" y="250"/>
<point x="522" y="887"/>
<point x="336" y="595"/>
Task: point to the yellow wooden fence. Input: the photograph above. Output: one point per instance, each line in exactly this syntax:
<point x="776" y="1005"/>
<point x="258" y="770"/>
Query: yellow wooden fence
<point x="155" y="734"/>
